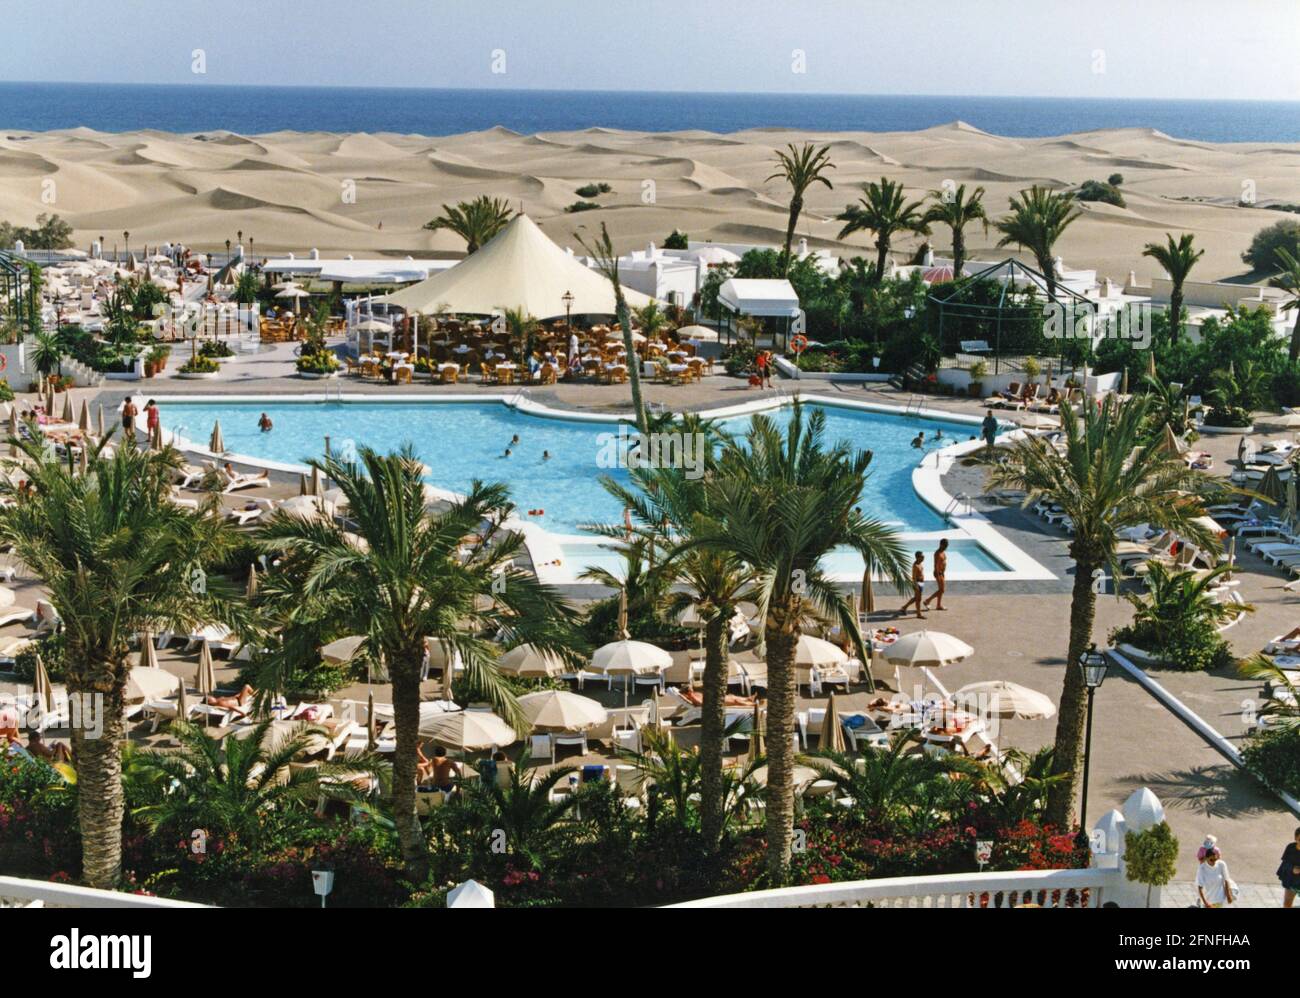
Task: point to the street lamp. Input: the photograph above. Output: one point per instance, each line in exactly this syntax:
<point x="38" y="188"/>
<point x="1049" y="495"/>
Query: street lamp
<point x="567" y="298"/>
<point x="1093" y="664"/>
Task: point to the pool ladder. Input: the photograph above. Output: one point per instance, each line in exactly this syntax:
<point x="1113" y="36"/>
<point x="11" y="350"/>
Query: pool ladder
<point x="337" y="392"/>
<point x="955" y="504"/>
<point x="914" y="400"/>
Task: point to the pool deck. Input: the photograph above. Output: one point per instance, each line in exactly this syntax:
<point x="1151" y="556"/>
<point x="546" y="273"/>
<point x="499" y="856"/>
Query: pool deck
<point x="1017" y="628"/>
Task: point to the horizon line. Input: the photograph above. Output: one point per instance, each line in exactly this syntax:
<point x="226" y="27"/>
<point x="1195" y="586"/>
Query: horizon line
<point x="681" y="92"/>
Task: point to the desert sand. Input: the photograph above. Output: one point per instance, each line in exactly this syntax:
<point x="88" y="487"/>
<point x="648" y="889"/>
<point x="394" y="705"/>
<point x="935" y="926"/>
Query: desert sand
<point x="370" y="194"/>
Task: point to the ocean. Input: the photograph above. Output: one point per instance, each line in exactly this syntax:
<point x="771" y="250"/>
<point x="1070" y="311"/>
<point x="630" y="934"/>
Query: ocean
<point x="250" y="110"/>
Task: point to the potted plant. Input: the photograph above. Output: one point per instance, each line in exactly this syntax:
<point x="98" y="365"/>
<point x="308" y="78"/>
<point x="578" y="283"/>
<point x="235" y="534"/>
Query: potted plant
<point x="199" y="367"/>
<point x="979" y="370"/>
<point x="1032" y="369"/>
<point x="321" y="364"/>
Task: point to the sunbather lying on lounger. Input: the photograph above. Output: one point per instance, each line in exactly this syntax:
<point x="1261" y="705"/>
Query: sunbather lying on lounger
<point x="236" y="703"/>
<point x="37" y="746"/>
<point x="696" y="699"/>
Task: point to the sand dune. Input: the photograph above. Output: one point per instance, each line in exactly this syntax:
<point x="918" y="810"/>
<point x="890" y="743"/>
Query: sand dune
<point x="287" y="188"/>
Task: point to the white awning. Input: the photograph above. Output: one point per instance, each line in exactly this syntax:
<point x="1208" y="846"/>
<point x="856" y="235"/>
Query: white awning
<point x="759" y="297"/>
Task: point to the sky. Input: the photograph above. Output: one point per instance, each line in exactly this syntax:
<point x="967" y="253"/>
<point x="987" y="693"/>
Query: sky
<point x="1230" y="49"/>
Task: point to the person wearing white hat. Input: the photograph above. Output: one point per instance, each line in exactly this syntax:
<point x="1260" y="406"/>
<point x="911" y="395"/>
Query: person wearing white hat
<point x="1214" y="884"/>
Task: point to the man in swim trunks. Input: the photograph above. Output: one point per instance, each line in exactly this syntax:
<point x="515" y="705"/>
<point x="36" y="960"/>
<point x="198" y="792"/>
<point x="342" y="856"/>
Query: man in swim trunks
<point x="918" y="582"/>
<point x="940" y="571"/>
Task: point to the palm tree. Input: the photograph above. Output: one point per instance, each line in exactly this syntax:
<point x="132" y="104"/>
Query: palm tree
<point x="413" y="579"/>
<point x="533" y="823"/>
<point x="602" y="252"/>
<point x="522" y="328"/>
<point x="672" y="504"/>
<point x="800" y="168"/>
<point x="882" y="784"/>
<point x="1111" y="475"/>
<point x="652" y="319"/>
<point x="790" y="499"/>
<point x="474" y="221"/>
<point x="1179" y="601"/>
<point x="1177" y="259"/>
<point x="1289" y="281"/>
<point x="885" y="212"/>
<point x="1038" y="217"/>
<point x="955" y="210"/>
<point x="675" y="776"/>
<point x="241" y="784"/>
<point x="116" y="557"/>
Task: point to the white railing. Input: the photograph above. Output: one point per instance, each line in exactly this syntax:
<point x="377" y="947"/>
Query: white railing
<point x="1046" y="889"/>
<point x="18" y="893"/>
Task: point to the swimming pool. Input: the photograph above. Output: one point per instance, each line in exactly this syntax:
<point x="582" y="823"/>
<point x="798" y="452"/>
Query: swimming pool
<point x="462" y="441"/>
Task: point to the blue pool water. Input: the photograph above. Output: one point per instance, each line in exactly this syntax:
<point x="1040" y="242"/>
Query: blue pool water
<point x="463" y="441"/>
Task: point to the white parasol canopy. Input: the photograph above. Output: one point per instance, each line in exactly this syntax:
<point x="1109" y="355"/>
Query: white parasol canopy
<point x="528" y="662"/>
<point x="471" y="730"/>
<point x="143" y="683"/>
<point x="560" y="710"/>
<point x="928" y="649"/>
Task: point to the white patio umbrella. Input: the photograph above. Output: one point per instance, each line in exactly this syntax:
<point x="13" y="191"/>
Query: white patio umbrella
<point x="148" y="651"/>
<point x="42" y="688"/>
<point x="817" y="652"/>
<point x="630" y="658"/>
<point x="470" y="730"/>
<point x="144" y="683"/>
<point x="528" y="662"/>
<point x="560" y="710"/>
<point x="215" y="443"/>
<point x="373" y="326"/>
<point x="927" y="649"/>
<point x="207" y="676"/>
<point x="342" y="651"/>
<point x="1007" y="700"/>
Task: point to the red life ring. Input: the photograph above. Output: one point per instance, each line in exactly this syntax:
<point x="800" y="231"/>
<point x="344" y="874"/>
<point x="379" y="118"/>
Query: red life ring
<point x="799" y="343"/>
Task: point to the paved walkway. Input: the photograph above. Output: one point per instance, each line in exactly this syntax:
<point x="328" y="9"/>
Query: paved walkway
<point x="1183" y="895"/>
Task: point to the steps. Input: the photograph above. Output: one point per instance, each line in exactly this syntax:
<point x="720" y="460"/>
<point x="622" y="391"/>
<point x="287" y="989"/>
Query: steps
<point x="83" y="375"/>
<point x="915" y="373"/>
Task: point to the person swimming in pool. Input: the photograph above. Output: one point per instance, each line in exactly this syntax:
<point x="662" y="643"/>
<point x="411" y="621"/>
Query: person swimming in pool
<point x="264" y="424"/>
<point x="546" y="455"/>
<point x="507" y="453"/>
<point x="919" y="441"/>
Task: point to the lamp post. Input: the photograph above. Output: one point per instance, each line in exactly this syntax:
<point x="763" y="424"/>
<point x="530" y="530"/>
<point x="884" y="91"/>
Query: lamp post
<point x="1093" y="665"/>
<point x="567" y="298"/>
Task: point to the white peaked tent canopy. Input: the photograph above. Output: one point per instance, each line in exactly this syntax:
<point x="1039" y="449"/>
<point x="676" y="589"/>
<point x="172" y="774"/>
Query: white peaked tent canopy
<point x="519" y="267"/>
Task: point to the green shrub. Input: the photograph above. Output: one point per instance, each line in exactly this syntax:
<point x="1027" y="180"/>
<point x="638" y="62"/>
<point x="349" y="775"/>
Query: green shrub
<point x="53" y="653"/>
<point x="578" y="206"/>
<point x="199" y="365"/>
<point x="215" y="348"/>
<point x="592" y="190"/>
<point x="677" y="241"/>
<point x="6" y="393"/>
<point x="1273" y="754"/>
<point x="322" y="362"/>
<point x="1262" y="252"/>
<point x="1095" y="190"/>
<point x="741" y="360"/>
